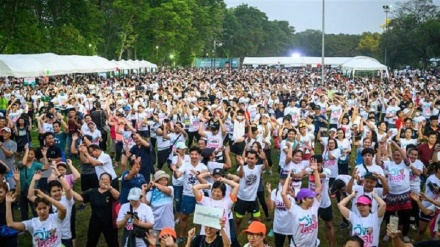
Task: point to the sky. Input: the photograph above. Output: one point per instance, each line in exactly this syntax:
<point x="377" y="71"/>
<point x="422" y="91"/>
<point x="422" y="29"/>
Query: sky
<point x="341" y="16"/>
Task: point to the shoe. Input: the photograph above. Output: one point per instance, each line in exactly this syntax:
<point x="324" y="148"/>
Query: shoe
<point x="343" y="226"/>
<point x="180" y="240"/>
<point x="386" y="238"/>
<point x="406" y="239"/>
<point x="271" y="233"/>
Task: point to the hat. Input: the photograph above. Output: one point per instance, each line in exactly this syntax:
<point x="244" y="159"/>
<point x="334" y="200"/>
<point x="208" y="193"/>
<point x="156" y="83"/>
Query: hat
<point x="50" y="115"/>
<point x="126" y="108"/>
<point x="195" y="109"/>
<point x="160" y="174"/>
<point x="134" y="194"/>
<point x="214" y="126"/>
<point x="61" y="163"/>
<point x="317" y="107"/>
<point x="167" y="231"/>
<point x="91" y="122"/>
<point x="332" y="129"/>
<point x="256" y="227"/>
<point x="265" y="115"/>
<point x="181" y="145"/>
<point x="305" y="193"/>
<point x="120" y="110"/>
<point x="363" y="200"/>
<point x="207" y="152"/>
<point x="370" y="175"/>
<point x="219" y="171"/>
<point x="6" y="129"/>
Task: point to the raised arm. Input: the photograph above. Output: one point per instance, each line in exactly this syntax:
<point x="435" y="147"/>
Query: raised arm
<point x="284" y="193"/>
<point x="342" y="205"/>
<point x="10" y="198"/>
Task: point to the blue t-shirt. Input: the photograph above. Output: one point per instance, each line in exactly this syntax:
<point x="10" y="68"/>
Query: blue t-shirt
<point x="136" y="181"/>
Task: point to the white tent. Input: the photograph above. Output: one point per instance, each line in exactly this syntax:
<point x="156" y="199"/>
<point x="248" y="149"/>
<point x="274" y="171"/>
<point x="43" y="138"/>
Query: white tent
<point x="49" y="64"/>
<point x="362" y="63"/>
<point x="294" y="61"/>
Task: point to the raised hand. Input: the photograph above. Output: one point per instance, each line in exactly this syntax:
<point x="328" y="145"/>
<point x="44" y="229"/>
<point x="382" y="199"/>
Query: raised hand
<point x="192" y="233"/>
<point x="240" y="160"/>
<point x="268" y="187"/>
<point x="37" y="176"/>
<point x="16" y="175"/>
<point x="313" y="164"/>
<point x="10" y="197"/>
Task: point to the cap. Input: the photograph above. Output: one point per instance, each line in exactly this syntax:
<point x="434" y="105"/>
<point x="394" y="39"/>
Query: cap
<point x="219" y="171"/>
<point x="168" y="231"/>
<point x="370" y="175"/>
<point x="207" y="152"/>
<point x="265" y="115"/>
<point x="181" y="145"/>
<point x="317" y="107"/>
<point x="305" y="193"/>
<point x="160" y="174"/>
<point x="6" y="129"/>
<point x="91" y="122"/>
<point x="126" y="108"/>
<point x="134" y="194"/>
<point x="61" y="163"/>
<point x="256" y="227"/>
<point x="195" y="109"/>
<point x="50" y="115"/>
<point x="332" y="129"/>
<point x="363" y="200"/>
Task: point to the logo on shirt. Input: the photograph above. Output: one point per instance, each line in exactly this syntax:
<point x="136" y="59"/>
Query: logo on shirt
<point x="366" y="233"/>
<point x="308" y="223"/>
<point x="251" y="179"/>
<point x="45" y="238"/>
<point x="396" y="175"/>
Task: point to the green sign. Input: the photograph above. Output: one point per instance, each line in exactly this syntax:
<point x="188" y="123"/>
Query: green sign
<point x="216" y="62"/>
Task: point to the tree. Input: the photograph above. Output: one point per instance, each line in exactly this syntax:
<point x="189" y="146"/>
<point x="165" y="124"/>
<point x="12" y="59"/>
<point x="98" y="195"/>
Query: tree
<point x="369" y="45"/>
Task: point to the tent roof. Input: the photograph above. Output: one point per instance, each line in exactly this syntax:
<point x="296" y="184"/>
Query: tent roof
<point x="363" y="63"/>
<point x="294" y="61"/>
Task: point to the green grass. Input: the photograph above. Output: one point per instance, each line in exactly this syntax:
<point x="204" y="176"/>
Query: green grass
<point x="82" y="217"/>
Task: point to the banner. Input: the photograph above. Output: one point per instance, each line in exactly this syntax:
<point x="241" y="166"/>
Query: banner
<point x="215" y="62"/>
<point x="208" y="216"/>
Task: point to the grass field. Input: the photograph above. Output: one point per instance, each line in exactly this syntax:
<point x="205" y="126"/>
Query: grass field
<point x="83" y="216"/>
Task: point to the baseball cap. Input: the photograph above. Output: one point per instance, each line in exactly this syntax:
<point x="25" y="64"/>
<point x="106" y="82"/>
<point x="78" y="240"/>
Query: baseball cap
<point x="181" y="145"/>
<point x="363" y="200"/>
<point x="50" y="115"/>
<point x="168" y="231"/>
<point x="219" y="171"/>
<point x="134" y="194"/>
<point x="332" y="129"/>
<point x="126" y="108"/>
<point x="256" y="227"/>
<point x="305" y="193"/>
<point x="160" y="174"/>
<point x="6" y="129"/>
<point x="207" y="152"/>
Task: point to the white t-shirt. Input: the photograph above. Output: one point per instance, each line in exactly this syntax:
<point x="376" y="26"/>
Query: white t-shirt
<point x="162" y="206"/>
<point x="249" y="183"/>
<point x="190" y="176"/>
<point x="332" y="165"/>
<point x="367" y="228"/>
<point x="283" y="154"/>
<point x="325" y="197"/>
<point x="107" y="165"/>
<point x="392" y="110"/>
<point x="428" y="192"/>
<point x="398" y="177"/>
<point x="45" y="233"/>
<point x="414" y="180"/>
<point x="295" y="168"/>
<point x="144" y="213"/>
<point x="225" y="204"/>
<point x="305" y="224"/>
<point x="335" y="113"/>
<point x="373" y="168"/>
<point x="280" y="224"/>
<point x="96" y="135"/>
<point x="179" y="181"/>
<point x="66" y="233"/>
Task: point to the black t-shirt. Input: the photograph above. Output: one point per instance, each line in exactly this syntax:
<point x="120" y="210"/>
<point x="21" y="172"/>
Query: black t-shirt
<point x="3" y="213"/>
<point x="53" y="152"/>
<point x="101" y="204"/>
<point x="428" y="243"/>
<point x="199" y="241"/>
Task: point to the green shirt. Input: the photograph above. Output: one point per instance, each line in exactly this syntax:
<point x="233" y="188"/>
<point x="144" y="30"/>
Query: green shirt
<point x="26" y="174"/>
<point x="3" y="103"/>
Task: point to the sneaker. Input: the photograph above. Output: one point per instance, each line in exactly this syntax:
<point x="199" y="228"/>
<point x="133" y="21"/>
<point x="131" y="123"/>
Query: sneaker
<point x="271" y="233"/>
<point x="386" y="238"/>
<point x="406" y="239"/>
<point x="343" y="225"/>
<point x="180" y="240"/>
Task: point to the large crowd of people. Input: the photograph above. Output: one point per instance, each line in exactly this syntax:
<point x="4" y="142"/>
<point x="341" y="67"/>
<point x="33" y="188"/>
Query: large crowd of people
<point x="262" y="144"/>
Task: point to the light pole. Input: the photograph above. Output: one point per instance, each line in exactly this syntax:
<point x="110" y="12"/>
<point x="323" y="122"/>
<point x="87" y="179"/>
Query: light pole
<point x="323" y="43"/>
<point x="216" y="44"/>
<point x="386" y="9"/>
<point x="157" y="52"/>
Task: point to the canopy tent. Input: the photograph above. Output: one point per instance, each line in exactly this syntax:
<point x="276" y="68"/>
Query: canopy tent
<point x="362" y="63"/>
<point x="295" y="61"/>
<point x="49" y="64"/>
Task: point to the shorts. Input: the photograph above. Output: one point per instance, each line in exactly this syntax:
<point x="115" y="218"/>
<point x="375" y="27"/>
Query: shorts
<point x="112" y="145"/>
<point x="243" y="207"/>
<point x="425" y="218"/>
<point x="188" y="204"/>
<point x="326" y="214"/>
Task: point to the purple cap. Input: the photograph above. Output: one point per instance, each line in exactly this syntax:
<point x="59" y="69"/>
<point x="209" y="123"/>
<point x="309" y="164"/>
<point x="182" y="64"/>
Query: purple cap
<point x="305" y="193"/>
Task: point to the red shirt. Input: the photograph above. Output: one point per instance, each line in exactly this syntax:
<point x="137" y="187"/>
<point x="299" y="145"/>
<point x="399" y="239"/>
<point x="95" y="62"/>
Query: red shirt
<point x="425" y="153"/>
